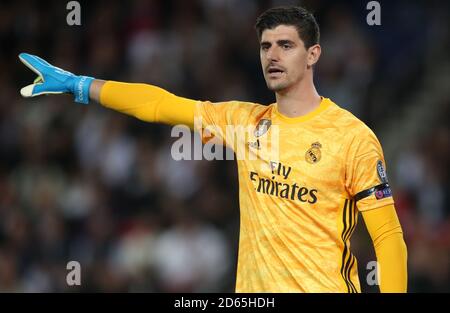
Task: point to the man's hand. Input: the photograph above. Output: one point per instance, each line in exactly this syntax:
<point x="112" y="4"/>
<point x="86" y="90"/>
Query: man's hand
<point x="53" y="80"/>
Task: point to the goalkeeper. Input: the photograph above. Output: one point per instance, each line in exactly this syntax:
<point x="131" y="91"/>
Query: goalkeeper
<point x="297" y="211"/>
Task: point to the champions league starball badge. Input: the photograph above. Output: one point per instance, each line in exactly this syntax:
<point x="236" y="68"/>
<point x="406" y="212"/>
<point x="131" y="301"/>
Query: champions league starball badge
<point x="381" y="172"/>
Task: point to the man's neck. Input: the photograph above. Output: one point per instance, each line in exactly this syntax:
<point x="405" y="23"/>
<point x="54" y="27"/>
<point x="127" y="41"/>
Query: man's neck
<point x="298" y="100"/>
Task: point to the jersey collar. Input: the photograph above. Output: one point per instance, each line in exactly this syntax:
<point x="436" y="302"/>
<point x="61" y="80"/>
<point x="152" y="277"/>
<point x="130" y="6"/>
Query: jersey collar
<point x="324" y="104"/>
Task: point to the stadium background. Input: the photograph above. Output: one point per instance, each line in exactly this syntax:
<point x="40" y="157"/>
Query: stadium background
<point x="98" y="187"/>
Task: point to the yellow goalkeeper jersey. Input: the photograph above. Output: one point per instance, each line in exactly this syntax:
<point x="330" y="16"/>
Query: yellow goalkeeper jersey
<point x="302" y="183"/>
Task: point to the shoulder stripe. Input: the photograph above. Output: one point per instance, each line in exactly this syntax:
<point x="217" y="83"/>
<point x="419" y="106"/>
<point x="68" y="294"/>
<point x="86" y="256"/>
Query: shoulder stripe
<point x="344" y="253"/>
<point x="349" y="271"/>
<point x="352" y="214"/>
<point x="348" y="260"/>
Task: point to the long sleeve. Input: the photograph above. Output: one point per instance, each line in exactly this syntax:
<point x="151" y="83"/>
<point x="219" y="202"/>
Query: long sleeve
<point x="148" y="103"/>
<point x="390" y="248"/>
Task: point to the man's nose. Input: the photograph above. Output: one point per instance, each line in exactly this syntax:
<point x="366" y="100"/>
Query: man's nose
<point x="273" y="54"/>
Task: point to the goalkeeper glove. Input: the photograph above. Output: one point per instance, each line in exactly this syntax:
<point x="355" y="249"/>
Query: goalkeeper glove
<point x="53" y="80"/>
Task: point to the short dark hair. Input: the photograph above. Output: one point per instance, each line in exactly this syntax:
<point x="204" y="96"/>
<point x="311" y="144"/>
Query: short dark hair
<point x="307" y="27"/>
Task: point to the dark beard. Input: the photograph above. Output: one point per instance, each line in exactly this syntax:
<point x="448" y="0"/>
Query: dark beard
<point x="278" y="87"/>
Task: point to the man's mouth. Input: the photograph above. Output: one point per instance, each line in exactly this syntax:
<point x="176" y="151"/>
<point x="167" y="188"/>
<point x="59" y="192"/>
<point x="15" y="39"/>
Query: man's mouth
<point x="274" y="72"/>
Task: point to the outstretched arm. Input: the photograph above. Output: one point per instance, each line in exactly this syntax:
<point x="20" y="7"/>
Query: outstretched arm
<point x="146" y="102"/>
<point x="390" y="248"/>
<point x="96" y="88"/>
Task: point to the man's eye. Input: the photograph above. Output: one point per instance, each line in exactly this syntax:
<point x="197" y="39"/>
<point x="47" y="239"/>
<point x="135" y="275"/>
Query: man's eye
<point x="286" y="46"/>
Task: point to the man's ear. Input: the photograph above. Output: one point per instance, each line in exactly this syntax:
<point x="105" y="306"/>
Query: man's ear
<point x="313" y="54"/>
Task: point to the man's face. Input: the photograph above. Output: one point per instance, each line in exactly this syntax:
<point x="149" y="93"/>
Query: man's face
<point x="283" y="57"/>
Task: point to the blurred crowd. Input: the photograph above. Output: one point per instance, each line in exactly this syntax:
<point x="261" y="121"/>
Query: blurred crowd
<point x="92" y="185"/>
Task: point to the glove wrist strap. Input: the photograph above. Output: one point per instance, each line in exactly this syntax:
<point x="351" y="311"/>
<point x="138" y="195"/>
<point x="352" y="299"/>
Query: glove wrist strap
<point x="81" y="89"/>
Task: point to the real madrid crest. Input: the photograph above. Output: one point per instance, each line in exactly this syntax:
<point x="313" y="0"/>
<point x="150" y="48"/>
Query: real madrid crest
<point x="262" y="127"/>
<point x="313" y="155"/>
